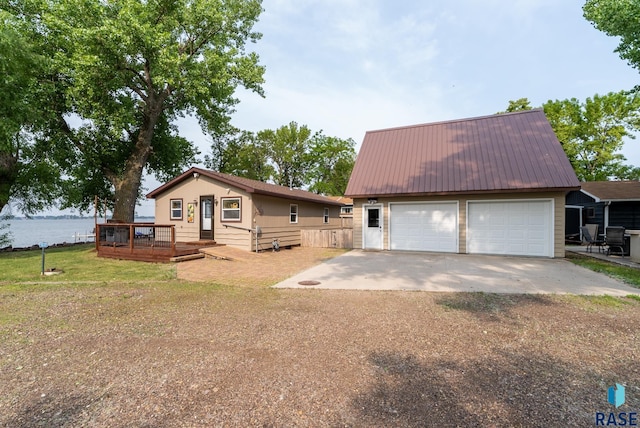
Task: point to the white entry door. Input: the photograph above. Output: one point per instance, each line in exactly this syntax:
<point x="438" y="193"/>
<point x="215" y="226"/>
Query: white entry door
<point x="372" y="227"/>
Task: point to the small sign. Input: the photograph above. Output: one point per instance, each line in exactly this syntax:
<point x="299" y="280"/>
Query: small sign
<point x="43" y="245"/>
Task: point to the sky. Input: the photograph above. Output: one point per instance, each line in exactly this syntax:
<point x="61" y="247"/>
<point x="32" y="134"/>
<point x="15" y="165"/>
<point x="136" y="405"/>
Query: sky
<point x="344" y="67"/>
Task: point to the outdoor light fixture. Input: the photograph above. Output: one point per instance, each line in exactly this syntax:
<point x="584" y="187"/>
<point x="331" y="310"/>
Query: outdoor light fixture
<point x="196" y="175"/>
<point x="373" y="201"/>
<point x="195" y="201"/>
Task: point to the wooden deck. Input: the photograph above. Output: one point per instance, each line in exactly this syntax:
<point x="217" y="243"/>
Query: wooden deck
<point x="145" y="242"/>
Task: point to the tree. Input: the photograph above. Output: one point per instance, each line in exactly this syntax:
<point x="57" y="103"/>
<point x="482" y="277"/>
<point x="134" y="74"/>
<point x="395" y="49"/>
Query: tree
<point x="332" y="161"/>
<point x="124" y="72"/>
<point x="592" y="133"/>
<point x="240" y="153"/>
<point x="28" y="175"/>
<point x="288" y="150"/>
<point x="618" y="18"/>
<point x="291" y="155"/>
<point x="518" y="105"/>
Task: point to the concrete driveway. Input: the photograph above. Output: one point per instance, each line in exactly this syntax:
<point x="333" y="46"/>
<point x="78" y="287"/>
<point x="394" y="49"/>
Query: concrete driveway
<point x="364" y="270"/>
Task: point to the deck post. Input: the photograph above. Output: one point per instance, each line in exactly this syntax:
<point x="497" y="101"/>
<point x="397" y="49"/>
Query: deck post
<point x="173" y="240"/>
<point x="131" y="236"/>
<point x="97" y="237"/>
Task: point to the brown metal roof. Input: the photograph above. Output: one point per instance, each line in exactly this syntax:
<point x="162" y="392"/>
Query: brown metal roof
<point x="249" y="186"/>
<point x="501" y="153"/>
<point x="612" y="190"/>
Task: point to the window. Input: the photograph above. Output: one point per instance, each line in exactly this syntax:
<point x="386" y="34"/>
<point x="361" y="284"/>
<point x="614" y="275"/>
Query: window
<point x="231" y="209"/>
<point x="373" y="217"/>
<point x="591" y="212"/>
<point x="176" y="209"/>
<point x="346" y="210"/>
<point x="325" y="218"/>
<point x="293" y="213"/>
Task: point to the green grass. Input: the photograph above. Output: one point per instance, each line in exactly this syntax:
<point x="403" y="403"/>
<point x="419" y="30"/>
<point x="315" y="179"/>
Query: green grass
<point x="80" y="264"/>
<point x="626" y="274"/>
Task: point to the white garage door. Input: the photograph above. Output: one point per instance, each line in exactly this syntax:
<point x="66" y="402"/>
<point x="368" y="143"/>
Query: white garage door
<point x="424" y="227"/>
<point x="518" y="228"/>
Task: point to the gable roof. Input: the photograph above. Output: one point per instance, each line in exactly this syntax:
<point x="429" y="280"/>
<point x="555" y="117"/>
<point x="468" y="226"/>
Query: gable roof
<point x="247" y="185"/>
<point x="510" y="152"/>
<point x="612" y="190"/>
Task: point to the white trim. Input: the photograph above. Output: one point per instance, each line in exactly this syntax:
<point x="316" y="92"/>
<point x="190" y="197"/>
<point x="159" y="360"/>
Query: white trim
<point x="595" y="198"/>
<point x="552" y="229"/>
<point x="451" y="201"/>
<point x="297" y="213"/>
<point x="364" y="217"/>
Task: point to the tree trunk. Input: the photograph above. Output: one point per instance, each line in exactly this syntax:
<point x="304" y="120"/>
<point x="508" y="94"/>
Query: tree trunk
<point x="128" y="184"/>
<point x="8" y="175"/>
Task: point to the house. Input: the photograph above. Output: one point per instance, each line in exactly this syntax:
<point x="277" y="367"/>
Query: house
<point x="206" y="205"/>
<point x="605" y="203"/>
<point x="346" y="211"/>
<point x="485" y="185"/>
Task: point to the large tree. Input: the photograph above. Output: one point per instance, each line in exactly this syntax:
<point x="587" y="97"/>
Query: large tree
<point x="330" y="166"/>
<point x="593" y="132"/>
<point x="618" y="18"/>
<point x="28" y="173"/>
<point x="124" y="72"/>
<point x="288" y="150"/>
<point x="291" y="155"/>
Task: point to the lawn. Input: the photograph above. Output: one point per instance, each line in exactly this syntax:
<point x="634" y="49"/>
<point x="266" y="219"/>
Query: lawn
<point x="629" y="275"/>
<point x="80" y="264"/>
<point x="131" y="346"/>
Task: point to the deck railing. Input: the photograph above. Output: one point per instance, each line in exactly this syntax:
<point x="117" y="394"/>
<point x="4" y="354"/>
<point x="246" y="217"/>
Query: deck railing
<point x="135" y="237"/>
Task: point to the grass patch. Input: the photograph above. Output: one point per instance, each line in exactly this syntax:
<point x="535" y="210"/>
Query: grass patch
<point x="626" y="274"/>
<point x="80" y="263"/>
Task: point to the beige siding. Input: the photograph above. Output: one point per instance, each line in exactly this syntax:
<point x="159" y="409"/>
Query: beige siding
<point x="272" y="216"/>
<point x="190" y="190"/>
<point x="558" y="204"/>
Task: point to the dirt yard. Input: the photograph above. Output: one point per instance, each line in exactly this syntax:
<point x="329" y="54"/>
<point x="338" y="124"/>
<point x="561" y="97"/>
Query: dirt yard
<point x="228" y="351"/>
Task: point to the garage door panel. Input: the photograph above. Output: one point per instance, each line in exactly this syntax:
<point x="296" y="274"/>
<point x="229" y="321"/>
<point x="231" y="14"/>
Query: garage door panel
<point x="517" y="228"/>
<point x="424" y="227"/>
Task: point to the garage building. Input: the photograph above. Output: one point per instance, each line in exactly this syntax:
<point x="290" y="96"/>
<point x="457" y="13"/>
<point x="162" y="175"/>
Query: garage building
<point x="487" y="185"/>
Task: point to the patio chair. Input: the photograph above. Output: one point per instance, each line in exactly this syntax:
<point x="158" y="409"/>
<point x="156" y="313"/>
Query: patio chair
<point x="614" y="238"/>
<point x="591" y="240"/>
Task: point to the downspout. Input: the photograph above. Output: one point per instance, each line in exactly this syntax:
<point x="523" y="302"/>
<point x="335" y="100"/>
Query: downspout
<point x="606" y="215"/>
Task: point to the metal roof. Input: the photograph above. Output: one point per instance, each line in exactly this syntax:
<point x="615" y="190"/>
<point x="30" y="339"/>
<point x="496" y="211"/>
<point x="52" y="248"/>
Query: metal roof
<point x="612" y="190"/>
<point x="510" y="152"/>
<point x="247" y="185"/>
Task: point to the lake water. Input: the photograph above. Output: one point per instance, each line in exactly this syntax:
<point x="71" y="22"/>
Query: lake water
<point x="25" y="233"/>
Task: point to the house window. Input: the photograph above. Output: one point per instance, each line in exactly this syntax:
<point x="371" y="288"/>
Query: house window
<point x="231" y="209"/>
<point x="293" y="213"/>
<point x="325" y="218"/>
<point x="176" y="209"/>
<point x="346" y="210"/>
<point x="591" y="212"/>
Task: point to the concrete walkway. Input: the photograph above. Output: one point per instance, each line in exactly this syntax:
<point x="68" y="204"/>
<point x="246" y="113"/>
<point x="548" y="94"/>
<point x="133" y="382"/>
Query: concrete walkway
<point x="364" y="270"/>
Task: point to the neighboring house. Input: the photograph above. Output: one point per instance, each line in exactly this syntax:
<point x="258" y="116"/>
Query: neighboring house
<point x="346" y="211"/>
<point x="605" y="203"/>
<point x="211" y="206"/>
<point x="486" y="185"/>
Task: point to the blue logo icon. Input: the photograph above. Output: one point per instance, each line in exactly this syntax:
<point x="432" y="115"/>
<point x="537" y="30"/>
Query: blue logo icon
<point x="616" y="395"/>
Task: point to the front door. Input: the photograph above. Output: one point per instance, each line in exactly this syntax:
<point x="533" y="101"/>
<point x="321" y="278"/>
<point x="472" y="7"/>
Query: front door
<point x="206" y="217"/>
<point x="372" y="227"/>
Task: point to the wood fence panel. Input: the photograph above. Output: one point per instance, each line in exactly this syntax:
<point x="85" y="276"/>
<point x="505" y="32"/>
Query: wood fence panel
<point x="335" y="238"/>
